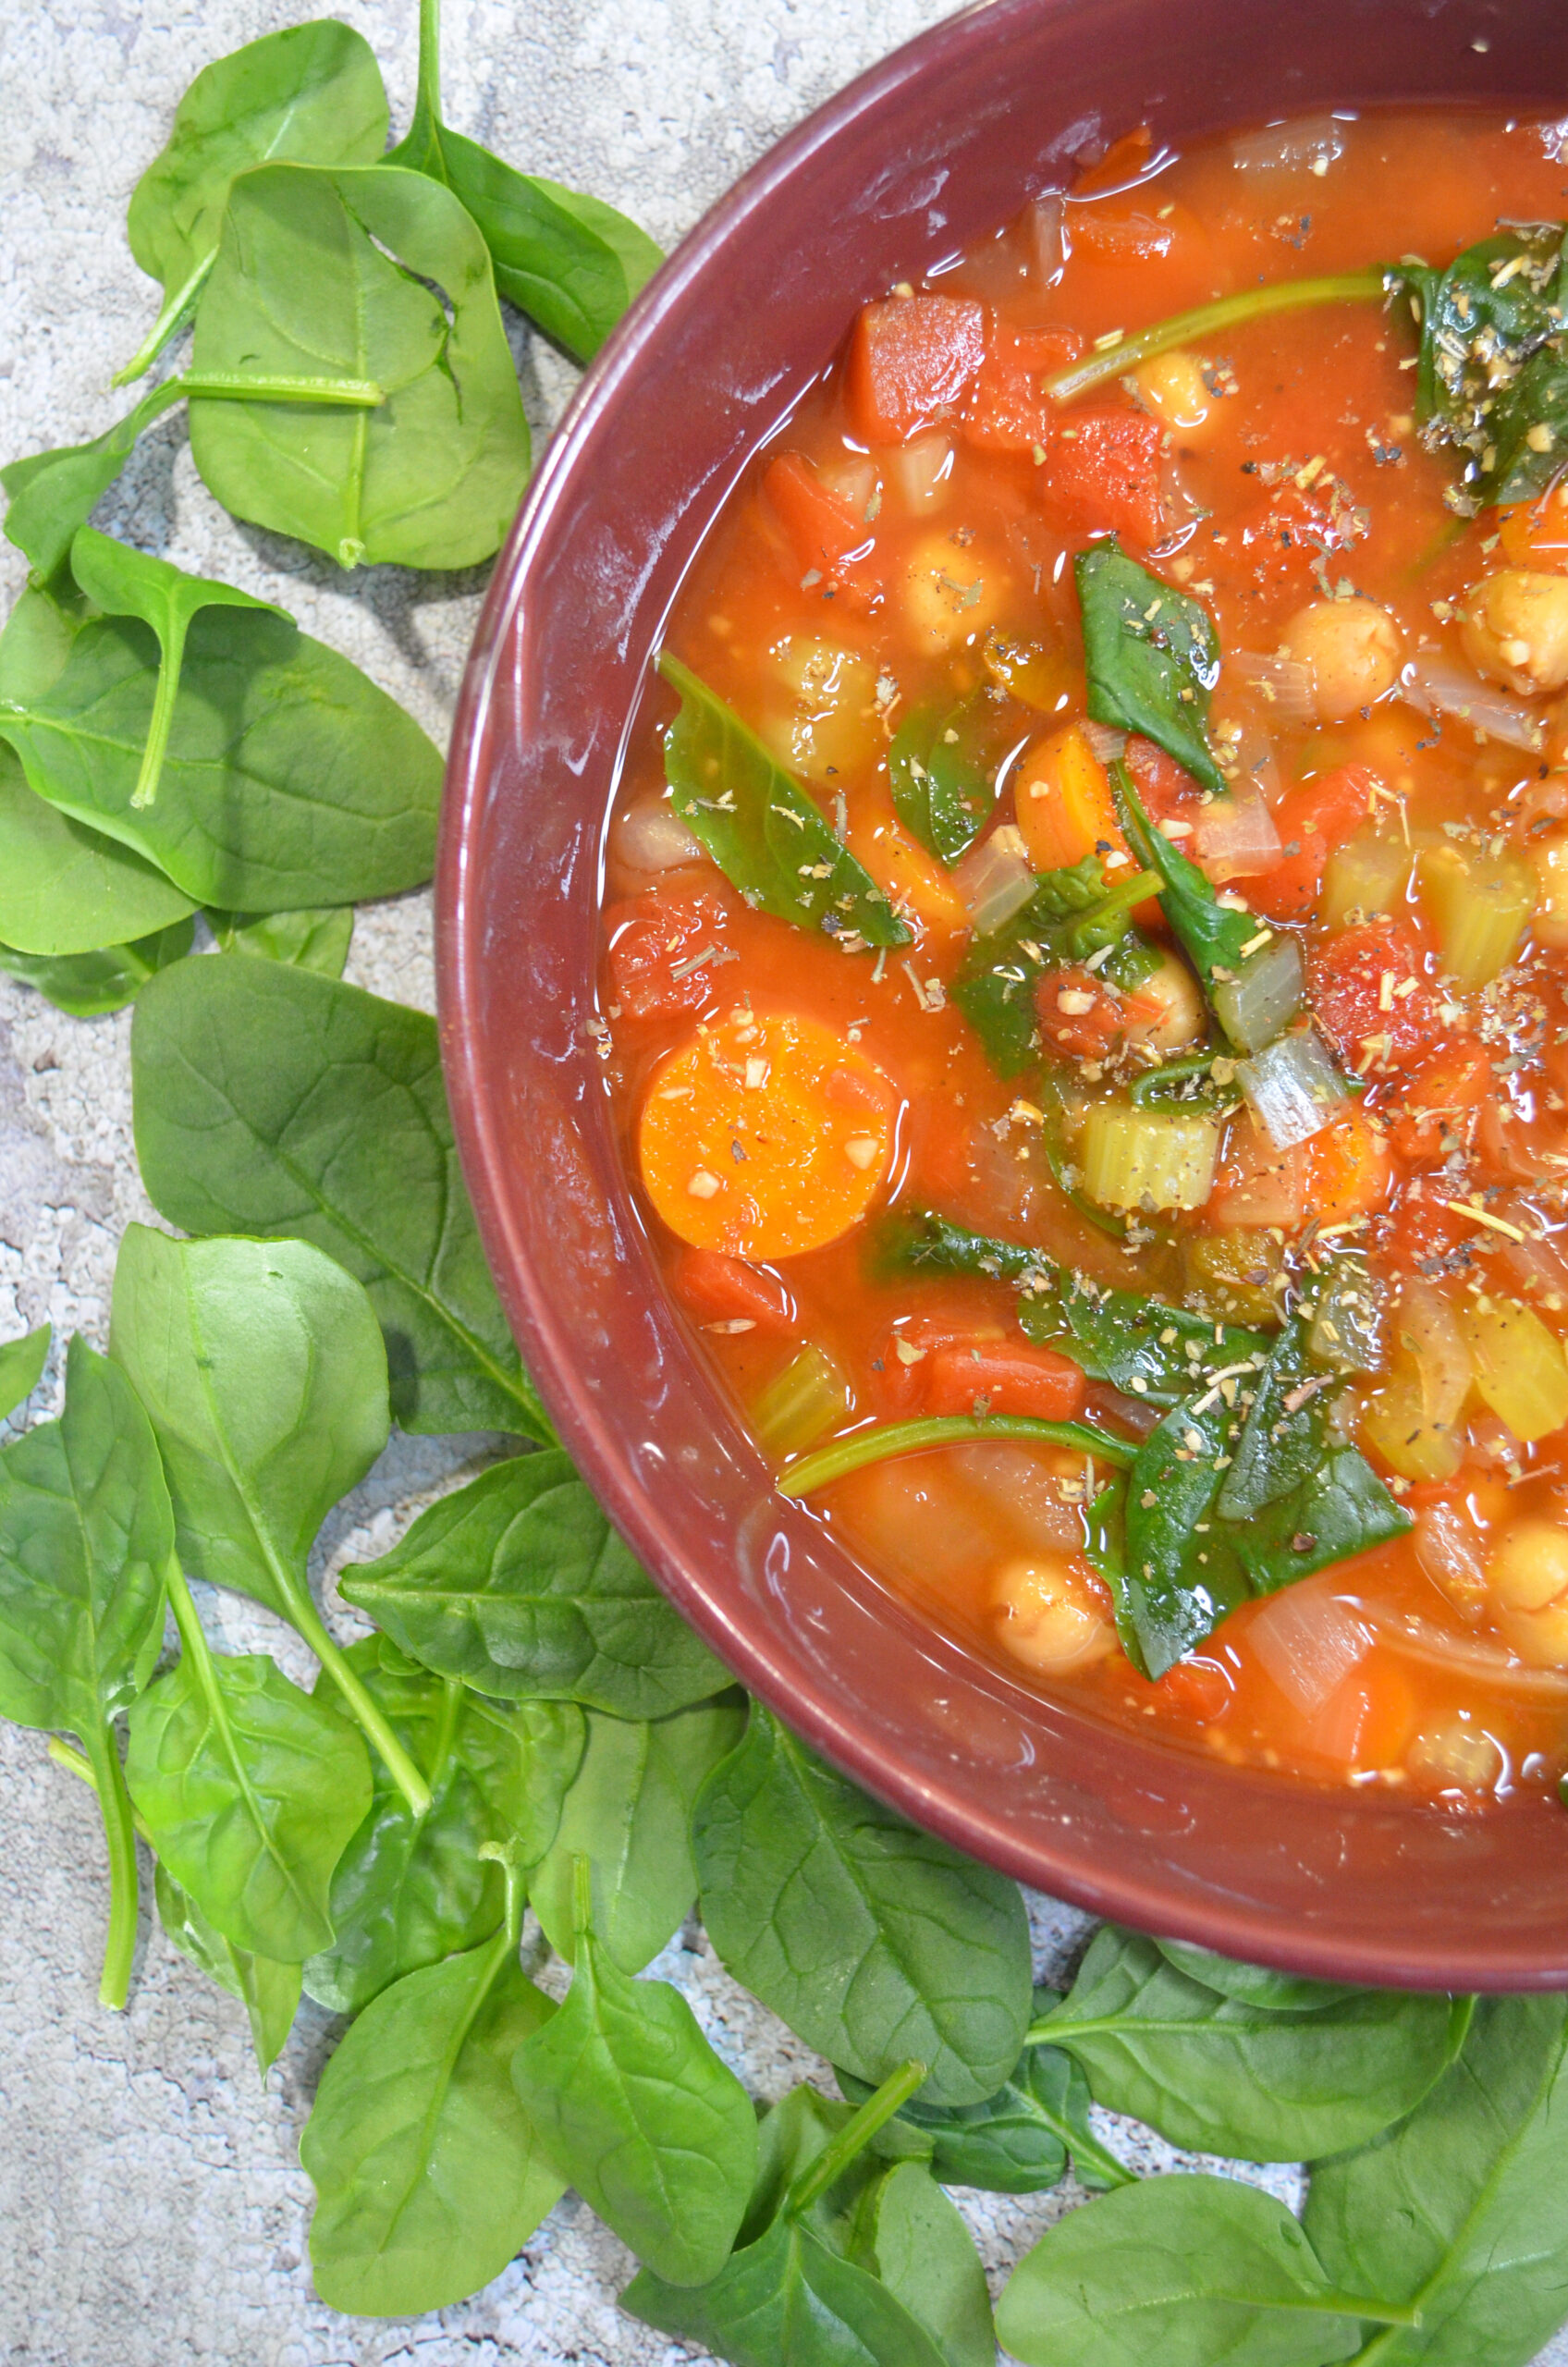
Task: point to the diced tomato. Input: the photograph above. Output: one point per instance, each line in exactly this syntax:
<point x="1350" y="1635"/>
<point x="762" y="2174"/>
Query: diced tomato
<point x="1001" y="1378"/>
<point x="1122" y="161"/>
<point x="1007" y="410"/>
<point x="1423" y="1231"/>
<point x="912" y="359"/>
<point x="1441" y="1092"/>
<point x="1370" y="997"/>
<point x="1078" y="1014"/>
<point x="823" y="533"/>
<point x="1311" y="820"/>
<point x="1164" y="787"/>
<point x="732" y="1293"/>
<point x="651" y="939"/>
<point x="1102" y="474"/>
<point x="1201" y="1689"/>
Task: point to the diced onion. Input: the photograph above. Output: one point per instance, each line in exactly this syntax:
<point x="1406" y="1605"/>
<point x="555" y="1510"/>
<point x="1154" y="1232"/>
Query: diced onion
<point x="1109" y="746"/>
<point x="1284" y="683"/>
<point x="1433" y="684"/>
<point x="1292" y="1087"/>
<point x="1315" y="139"/>
<point x="652" y="836"/>
<point x="1449" y="1549"/>
<point x="1235" y="838"/>
<point x="1263" y="998"/>
<point x="1426" y="1329"/>
<point x="1416" y="1639"/>
<point x="1043" y="222"/>
<point x="1308" y="1643"/>
<point x="995" y="879"/>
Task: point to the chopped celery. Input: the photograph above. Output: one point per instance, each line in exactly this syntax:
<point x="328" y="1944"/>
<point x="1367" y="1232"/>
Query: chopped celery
<point x="1363" y="880"/>
<point x="1347" y="1322"/>
<point x="1264" y="995"/>
<point x="1480" y="905"/>
<point x="1520" y="1368"/>
<point x="801" y="1404"/>
<point x="1148" y="1158"/>
<point x="1294" y="1088"/>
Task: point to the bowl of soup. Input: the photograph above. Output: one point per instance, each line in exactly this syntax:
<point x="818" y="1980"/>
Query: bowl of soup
<point x="1003" y="952"/>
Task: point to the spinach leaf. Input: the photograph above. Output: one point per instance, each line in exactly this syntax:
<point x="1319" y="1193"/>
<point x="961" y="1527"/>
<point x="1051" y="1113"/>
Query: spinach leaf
<point x="268" y="1100"/>
<point x="872" y="1940"/>
<point x="66" y="889"/>
<point x="87" y="984"/>
<point x="1071" y="915"/>
<point x="1223" y="2074"/>
<point x="1254" y="1984"/>
<point x="1182" y="1571"/>
<point x="1184" y="2270"/>
<point x="570" y="261"/>
<point x="1145" y="1346"/>
<point x="310" y="92"/>
<point x="629" y="1812"/>
<point x="317" y="938"/>
<point x="1217" y="938"/>
<point x="914" y="1240"/>
<point x="941" y="767"/>
<point x="765" y="833"/>
<point x="1491" y="360"/>
<point x="268" y="1990"/>
<point x="1298" y="1498"/>
<point x="635" y="2110"/>
<point x="248" y="1788"/>
<point x="1462" y="2210"/>
<point x="517" y="1584"/>
<point x="428" y="2174"/>
<point x="261" y="1366"/>
<point x="1152" y="657"/>
<point x="409" y="1890"/>
<point x="21" y="1367"/>
<point x="909" y="2235"/>
<point x="373" y="274"/>
<point x="51" y="494"/>
<point x="288" y="777"/>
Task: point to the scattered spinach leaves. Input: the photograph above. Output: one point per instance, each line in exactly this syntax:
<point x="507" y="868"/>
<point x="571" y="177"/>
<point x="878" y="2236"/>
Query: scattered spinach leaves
<point x="1492" y="367"/>
<point x="941" y="765"/>
<point x="1152" y="657"/>
<point x="21" y="1367"/>
<point x="268" y="1990"/>
<point x="316" y="939"/>
<point x="66" y="889"/>
<point x="1071" y="915"/>
<point x="88" y="984"/>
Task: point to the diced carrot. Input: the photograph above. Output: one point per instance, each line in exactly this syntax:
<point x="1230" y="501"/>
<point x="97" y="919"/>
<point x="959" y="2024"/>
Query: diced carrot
<point x="911" y="881"/>
<point x="1122" y="160"/>
<point x="653" y="938"/>
<point x="1370" y="995"/>
<point x="1102" y="474"/>
<point x="1061" y="796"/>
<point x="999" y="1377"/>
<point x="1440" y="1095"/>
<point x="1311" y="819"/>
<point x="1535" y="533"/>
<point x="826" y="536"/>
<point x="731" y="1293"/>
<point x="1200" y="1689"/>
<point x="912" y="359"/>
<point x="1351" y="1169"/>
<point x="766" y="1136"/>
<point x="1007" y="410"/>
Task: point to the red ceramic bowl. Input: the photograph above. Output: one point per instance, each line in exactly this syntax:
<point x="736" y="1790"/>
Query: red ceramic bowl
<point x="936" y="145"/>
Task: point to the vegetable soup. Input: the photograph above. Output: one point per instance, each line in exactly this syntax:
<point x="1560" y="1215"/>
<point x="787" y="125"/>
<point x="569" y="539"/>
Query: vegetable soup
<point x="1085" y="988"/>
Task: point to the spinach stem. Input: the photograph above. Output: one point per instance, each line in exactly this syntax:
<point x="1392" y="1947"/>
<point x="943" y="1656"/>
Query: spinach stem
<point x="168" y="320"/>
<point x="841" y="1456"/>
<point x="1204" y="319"/>
<point x="113" y="1806"/>
<point x="505" y="1854"/>
<point x="240" y="386"/>
<point x="854" y="2137"/>
<point x="307" y="1620"/>
<point x="170" y="659"/>
<point x="75" y="1764"/>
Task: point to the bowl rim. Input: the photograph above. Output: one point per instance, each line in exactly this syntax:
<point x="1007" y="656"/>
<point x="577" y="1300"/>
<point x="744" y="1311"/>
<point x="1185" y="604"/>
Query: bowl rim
<point x="1216" y="1921"/>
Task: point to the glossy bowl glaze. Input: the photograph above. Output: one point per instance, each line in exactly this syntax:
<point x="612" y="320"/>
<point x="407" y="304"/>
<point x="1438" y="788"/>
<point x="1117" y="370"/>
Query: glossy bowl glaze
<point x="940" y="143"/>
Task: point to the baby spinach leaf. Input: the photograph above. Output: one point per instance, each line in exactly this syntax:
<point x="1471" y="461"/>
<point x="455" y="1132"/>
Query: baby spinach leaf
<point x="1296" y="1497"/>
<point x="66" y="889"/>
<point x="765" y="833"/>
<point x="127" y="582"/>
<point x="635" y="2110"/>
<point x="21" y="1367"/>
<point x="86" y="1539"/>
<point x="872" y="1940"/>
<point x="375" y="273"/>
<point x="250" y="1790"/>
<point x="913" y="1241"/>
<point x="1461" y="2211"/>
<point x="941" y="767"/>
<point x="1491" y="360"/>
<point x="1226" y="2076"/>
<point x="1071" y="915"/>
<point x="87" y="984"/>
<point x="268" y="1990"/>
<point x="1184" y="2270"/>
<point x="1217" y="938"/>
<point x="428" y="2174"/>
<point x="409" y="1890"/>
<point x="261" y="1368"/>
<point x="268" y="1100"/>
<point x="570" y="261"/>
<point x="1152" y="657"/>
<point x="1254" y="1984"/>
<point x="288" y="779"/>
<point x="517" y="1584"/>
<point x="1182" y="1571"/>
<point x="629" y="1812"/>
<point x="312" y="92"/>
<point x="1145" y="1346"/>
<point x="51" y="494"/>
<point x="910" y="2236"/>
<point x="316" y="938"/>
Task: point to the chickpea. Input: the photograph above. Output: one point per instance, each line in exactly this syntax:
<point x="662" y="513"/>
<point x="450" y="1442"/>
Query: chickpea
<point x="1528" y="1567"/>
<point x="1046" y="1615"/>
<point x="1172" y="386"/>
<point x="951" y="593"/>
<point x="1550" y="855"/>
<point x="1515" y="630"/>
<point x="1352" y="650"/>
<point x="1183" y="1019"/>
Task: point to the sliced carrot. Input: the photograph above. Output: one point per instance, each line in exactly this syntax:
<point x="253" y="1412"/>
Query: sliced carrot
<point x="1008" y="409"/>
<point x="656" y="942"/>
<point x="764" y="1135"/>
<point x="1351" y="1169"/>
<point x="911" y="879"/>
<point x="731" y="1293"/>
<point x="912" y="362"/>
<point x="826" y="536"/>
<point x="1102" y="473"/>
<point x="1002" y="1378"/>
<point x="1061" y="796"/>
<point x="1311" y="819"/>
<point x="1440" y="1095"/>
<point x="1535" y="533"/>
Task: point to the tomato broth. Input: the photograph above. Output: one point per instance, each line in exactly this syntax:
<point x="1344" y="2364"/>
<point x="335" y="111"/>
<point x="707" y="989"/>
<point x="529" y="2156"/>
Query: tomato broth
<point x="1302" y="1090"/>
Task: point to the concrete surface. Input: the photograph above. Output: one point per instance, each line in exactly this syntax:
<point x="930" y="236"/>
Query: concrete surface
<point x="152" y="2205"/>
